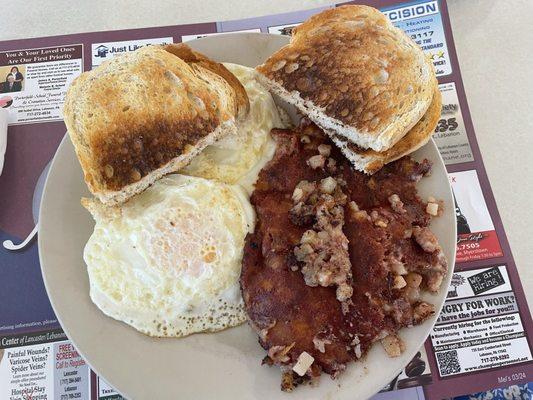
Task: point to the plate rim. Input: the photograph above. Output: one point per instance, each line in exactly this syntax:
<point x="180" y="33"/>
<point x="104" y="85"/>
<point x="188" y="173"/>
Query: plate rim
<point x="87" y="357"/>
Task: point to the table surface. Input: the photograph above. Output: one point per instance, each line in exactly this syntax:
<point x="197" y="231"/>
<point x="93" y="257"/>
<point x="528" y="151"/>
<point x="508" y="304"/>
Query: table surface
<point x="494" y="42"/>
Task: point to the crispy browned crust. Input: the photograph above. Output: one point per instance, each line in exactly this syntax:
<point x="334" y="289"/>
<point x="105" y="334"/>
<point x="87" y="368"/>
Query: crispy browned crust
<point x="351" y="63"/>
<point x="288" y="313"/>
<point x="371" y="161"/>
<point x="190" y="56"/>
<point x="147" y="113"/>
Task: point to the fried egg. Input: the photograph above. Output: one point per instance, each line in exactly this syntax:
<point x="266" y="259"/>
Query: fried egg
<point x="168" y="261"/>
<point x="238" y="158"/>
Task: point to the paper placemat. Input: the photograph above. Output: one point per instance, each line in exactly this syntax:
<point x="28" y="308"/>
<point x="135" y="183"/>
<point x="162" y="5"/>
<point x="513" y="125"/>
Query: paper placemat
<point x="482" y="338"/>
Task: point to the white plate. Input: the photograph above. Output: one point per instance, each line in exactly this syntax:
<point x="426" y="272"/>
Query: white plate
<point x="225" y="365"/>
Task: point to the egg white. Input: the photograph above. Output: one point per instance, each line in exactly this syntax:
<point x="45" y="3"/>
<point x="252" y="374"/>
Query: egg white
<point x="238" y="158"/>
<point x="168" y="261"/>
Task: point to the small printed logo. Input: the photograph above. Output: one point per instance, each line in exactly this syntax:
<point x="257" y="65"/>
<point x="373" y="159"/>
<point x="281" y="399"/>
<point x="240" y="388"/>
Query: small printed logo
<point x="27" y="395"/>
<point x="471" y="237"/>
<point x="457" y="280"/>
<point x="6" y="101"/>
<point x="486" y="280"/>
<point x="101" y="51"/>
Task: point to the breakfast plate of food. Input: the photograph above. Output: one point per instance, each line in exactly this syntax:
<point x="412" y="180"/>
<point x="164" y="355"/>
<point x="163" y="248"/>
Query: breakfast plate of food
<point x="250" y="215"/>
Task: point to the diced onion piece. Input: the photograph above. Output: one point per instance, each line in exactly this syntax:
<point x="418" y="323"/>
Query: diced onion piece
<point x="324" y="150"/>
<point x="328" y="185"/>
<point x="393" y="345"/>
<point x="399" y="282"/>
<point x="305" y="360"/>
<point x="432" y="209"/>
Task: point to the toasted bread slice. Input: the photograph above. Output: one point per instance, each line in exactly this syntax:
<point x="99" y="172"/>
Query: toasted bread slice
<point x="191" y="57"/>
<point x="350" y="71"/>
<point x="147" y="113"/>
<point x="371" y="161"/>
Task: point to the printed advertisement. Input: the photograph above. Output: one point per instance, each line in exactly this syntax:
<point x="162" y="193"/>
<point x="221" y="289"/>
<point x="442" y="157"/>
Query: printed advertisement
<point x="106" y="51"/>
<point x="450" y="133"/>
<point x="42" y="365"/>
<point x="106" y="391"/>
<point x="416" y="373"/>
<point x="34" y="81"/>
<point x="423" y="22"/>
<point x="476" y="237"/>
<point x="71" y="373"/>
<point x="479" y="326"/>
<point x="27" y="372"/>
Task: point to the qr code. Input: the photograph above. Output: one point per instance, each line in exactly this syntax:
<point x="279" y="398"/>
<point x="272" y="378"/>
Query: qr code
<point x="448" y="362"/>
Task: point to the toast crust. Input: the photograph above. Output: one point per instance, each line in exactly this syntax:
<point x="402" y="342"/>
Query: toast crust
<point x="190" y="56"/>
<point x="371" y="161"/>
<point x="350" y="70"/>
